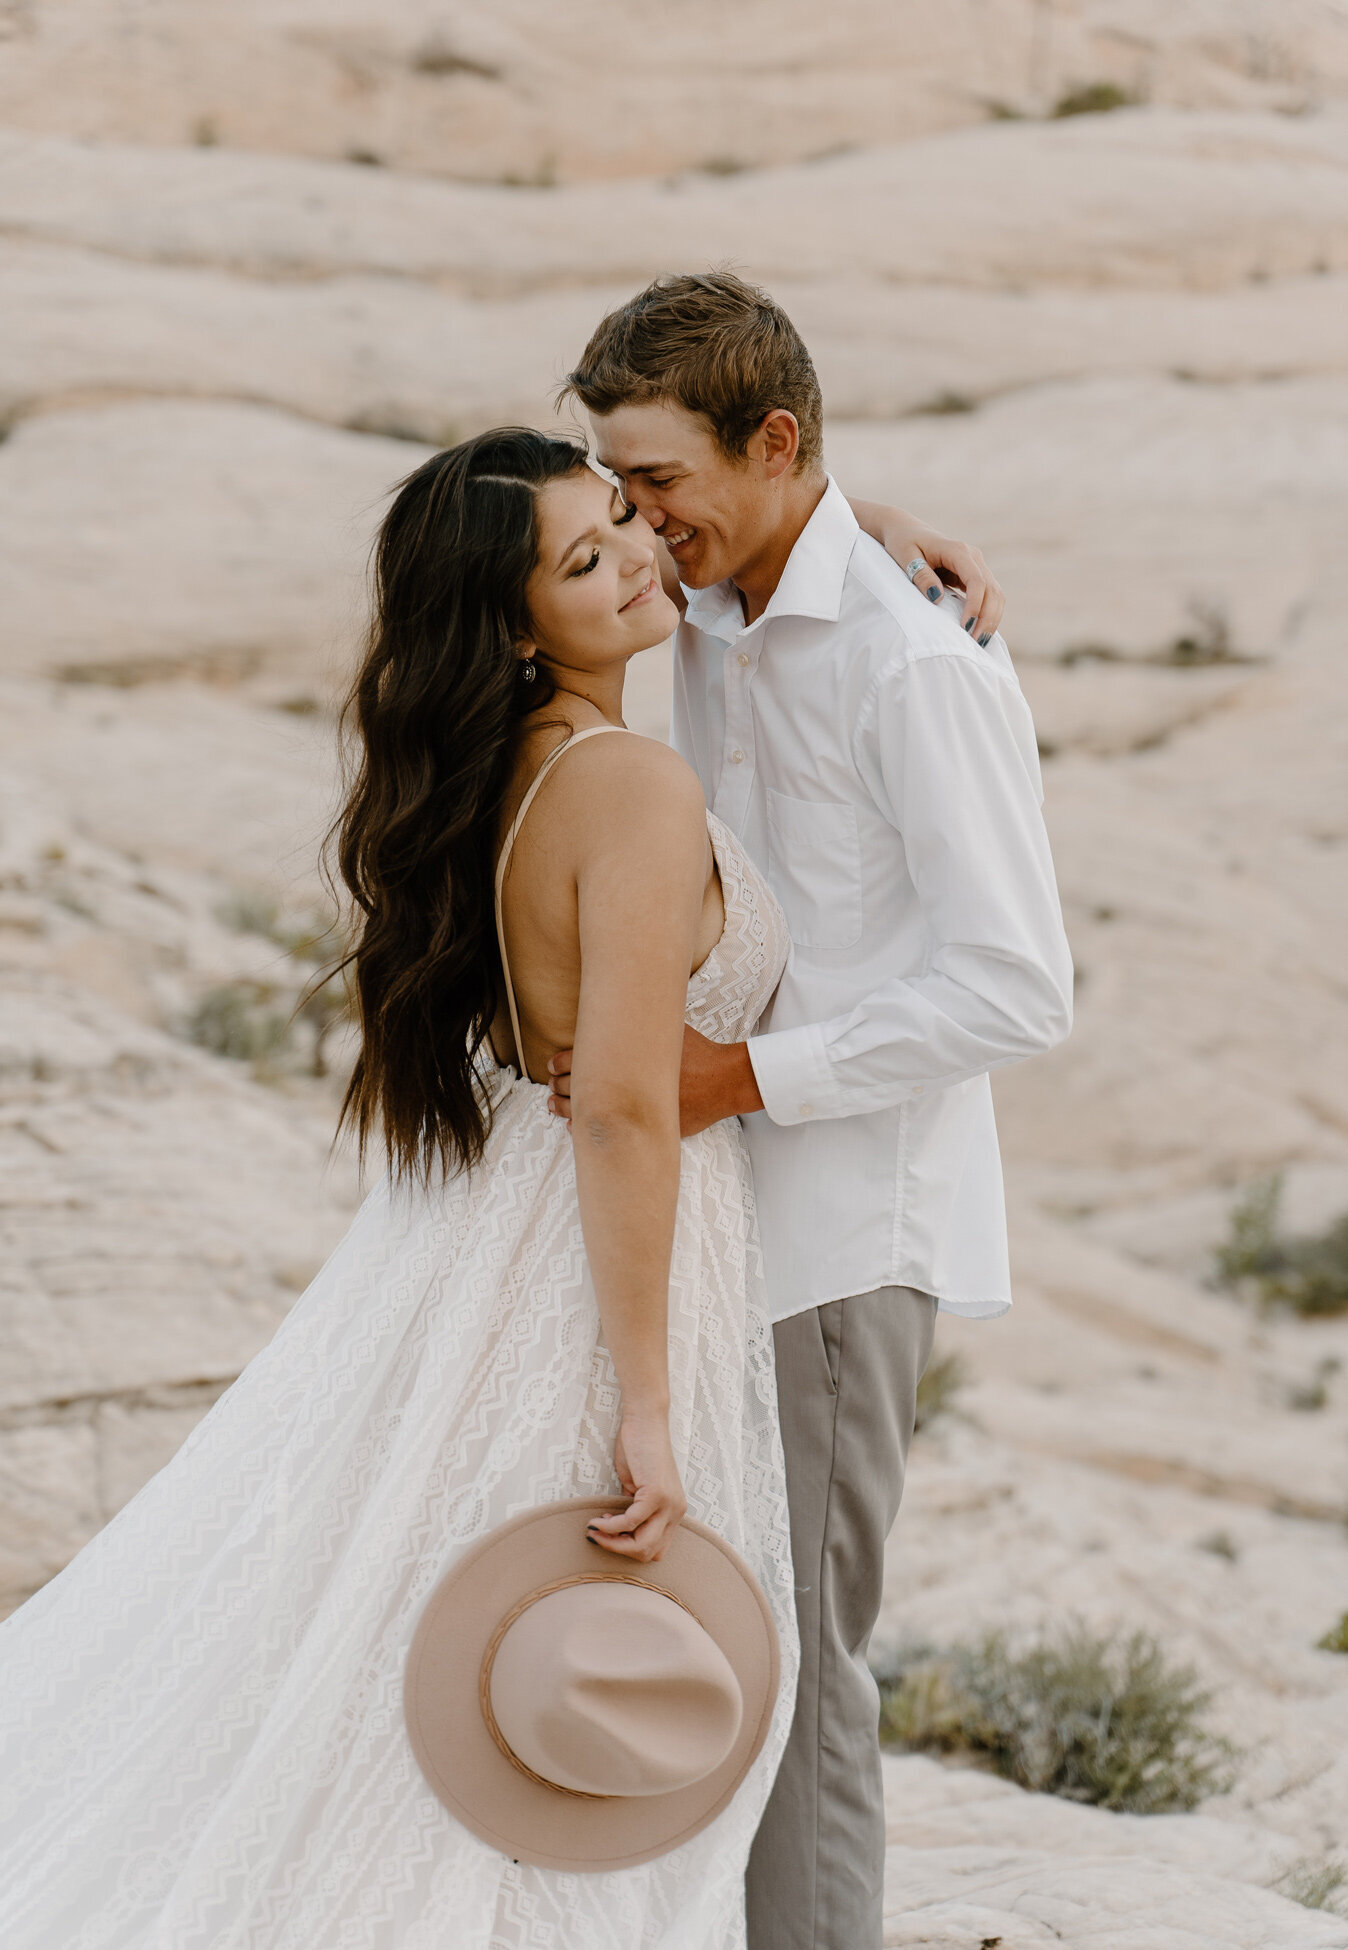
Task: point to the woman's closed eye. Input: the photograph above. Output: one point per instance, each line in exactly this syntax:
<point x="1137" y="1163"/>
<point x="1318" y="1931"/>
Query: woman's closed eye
<point x="586" y="567"/>
<point x="629" y="510"/>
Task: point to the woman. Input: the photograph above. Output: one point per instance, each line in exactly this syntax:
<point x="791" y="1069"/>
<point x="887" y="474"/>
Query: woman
<point x="213" y="1750"/>
<point x="208" y="1746"/>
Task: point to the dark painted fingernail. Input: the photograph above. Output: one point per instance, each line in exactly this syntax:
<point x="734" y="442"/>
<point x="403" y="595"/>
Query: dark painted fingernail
<point x="984" y="641"/>
<point x="935" y="593"/>
<point x="969" y="626"/>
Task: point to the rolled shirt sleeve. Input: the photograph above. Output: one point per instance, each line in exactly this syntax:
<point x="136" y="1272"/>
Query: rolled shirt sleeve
<point x="946" y="746"/>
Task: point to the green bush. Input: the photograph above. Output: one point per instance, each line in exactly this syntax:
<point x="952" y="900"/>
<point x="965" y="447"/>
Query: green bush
<point x="248" y="1021"/>
<point x="1336" y="1638"/>
<point x="947" y="402"/>
<point x="1308" y="1275"/>
<point x="1315" y="1885"/>
<point x="306" y="936"/>
<point x="1220" y="1543"/>
<point x="1084" y="1717"/>
<point x="286" y="1025"/>
<point x="1093" y="98"/>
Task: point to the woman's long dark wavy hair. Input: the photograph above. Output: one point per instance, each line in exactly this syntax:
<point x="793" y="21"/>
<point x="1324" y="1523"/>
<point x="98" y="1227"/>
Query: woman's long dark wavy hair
<point x="433" y="713"/>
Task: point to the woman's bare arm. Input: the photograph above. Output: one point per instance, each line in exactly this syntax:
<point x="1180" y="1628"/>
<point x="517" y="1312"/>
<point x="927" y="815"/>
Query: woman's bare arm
<point x="641" y="873"/>
<point x="906" y="538"/>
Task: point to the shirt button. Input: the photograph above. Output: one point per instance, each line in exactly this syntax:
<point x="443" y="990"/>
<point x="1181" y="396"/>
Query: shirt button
<point x="806" y="1110"/>
<point x="737" y="758"/>
<point x="917" y="1089"/>
<point x="743" y="659"/>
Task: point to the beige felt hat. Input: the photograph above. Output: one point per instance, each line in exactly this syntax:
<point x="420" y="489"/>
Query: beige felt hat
<point x="582" y="1711"/>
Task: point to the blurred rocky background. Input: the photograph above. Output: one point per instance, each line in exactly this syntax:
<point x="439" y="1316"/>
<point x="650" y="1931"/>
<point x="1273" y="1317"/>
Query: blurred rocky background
<point x="1075" y="273"/>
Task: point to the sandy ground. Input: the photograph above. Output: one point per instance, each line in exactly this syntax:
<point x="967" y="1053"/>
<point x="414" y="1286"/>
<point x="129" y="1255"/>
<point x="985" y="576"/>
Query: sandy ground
<point x="1108" y="348"/>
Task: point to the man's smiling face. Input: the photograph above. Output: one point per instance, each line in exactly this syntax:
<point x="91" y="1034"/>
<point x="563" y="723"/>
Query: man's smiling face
<point x="711" y="512"/>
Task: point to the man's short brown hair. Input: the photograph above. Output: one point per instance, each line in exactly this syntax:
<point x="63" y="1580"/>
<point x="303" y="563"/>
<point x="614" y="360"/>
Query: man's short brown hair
<point x="714" y="345"/>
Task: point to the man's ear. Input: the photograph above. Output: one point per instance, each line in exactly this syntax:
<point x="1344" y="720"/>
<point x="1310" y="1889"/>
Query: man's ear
<point x="776" y="443"/>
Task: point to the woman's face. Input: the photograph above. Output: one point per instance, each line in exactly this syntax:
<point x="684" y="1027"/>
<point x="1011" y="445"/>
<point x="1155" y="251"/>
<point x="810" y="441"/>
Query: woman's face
<point x="594" y="597"/>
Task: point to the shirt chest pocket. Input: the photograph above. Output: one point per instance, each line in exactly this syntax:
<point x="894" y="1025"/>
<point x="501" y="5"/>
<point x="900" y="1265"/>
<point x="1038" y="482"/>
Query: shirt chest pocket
<point x="814" y="864"/>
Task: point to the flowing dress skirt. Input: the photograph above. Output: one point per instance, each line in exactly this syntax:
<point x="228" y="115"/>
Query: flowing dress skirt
<point x="203" y="1741"/>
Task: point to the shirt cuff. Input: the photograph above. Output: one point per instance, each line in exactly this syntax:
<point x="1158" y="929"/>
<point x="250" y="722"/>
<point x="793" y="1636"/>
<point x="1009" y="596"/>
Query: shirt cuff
<point x="791" y="1068"/>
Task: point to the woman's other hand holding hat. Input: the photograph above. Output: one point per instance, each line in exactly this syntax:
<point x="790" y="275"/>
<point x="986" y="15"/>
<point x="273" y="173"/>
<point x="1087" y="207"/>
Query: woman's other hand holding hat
<point x="644" y="1459"/>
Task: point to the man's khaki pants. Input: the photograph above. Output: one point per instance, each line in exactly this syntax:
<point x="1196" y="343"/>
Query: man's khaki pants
<point x="847" y="1376"/>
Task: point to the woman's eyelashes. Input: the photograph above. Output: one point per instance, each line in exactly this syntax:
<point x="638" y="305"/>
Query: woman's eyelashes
<point x="618" y="521"/>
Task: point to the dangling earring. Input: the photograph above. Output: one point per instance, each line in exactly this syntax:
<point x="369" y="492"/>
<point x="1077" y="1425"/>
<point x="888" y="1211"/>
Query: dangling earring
<point x="527" y="671"/>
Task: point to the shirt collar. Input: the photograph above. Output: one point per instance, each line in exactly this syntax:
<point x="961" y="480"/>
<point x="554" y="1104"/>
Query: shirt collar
<point x="811" y="584"/>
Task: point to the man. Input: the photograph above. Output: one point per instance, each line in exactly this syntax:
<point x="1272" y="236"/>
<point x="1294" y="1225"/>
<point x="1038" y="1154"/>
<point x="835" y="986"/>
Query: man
<point x="879" y="763"/>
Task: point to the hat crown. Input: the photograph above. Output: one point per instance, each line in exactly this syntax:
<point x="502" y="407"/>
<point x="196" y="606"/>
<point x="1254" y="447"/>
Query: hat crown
<point x="605" y="1687"/>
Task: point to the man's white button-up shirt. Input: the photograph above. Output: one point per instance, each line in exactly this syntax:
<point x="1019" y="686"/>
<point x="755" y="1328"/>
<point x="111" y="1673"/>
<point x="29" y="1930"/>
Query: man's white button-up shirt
<point x="882" y="771"/>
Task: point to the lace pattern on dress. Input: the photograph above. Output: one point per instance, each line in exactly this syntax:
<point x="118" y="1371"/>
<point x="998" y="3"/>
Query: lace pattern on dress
<point x="204" y="1742"/>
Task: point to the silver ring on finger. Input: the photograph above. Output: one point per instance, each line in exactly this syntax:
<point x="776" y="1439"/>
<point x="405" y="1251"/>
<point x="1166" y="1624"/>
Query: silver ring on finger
<point x="915" y="567"/>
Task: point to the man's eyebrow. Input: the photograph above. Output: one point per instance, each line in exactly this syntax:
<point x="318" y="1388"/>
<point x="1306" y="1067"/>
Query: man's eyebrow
<point x="647" y="467"/>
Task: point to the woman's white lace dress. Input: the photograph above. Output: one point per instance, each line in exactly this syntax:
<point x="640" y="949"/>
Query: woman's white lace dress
<point x="202" y="1715"/>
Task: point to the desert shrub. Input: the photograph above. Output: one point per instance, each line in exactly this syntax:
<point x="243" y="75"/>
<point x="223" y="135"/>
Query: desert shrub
<point x="248" y="912"/>
<point x="543" y="176"/>
<point x="324" y="1007"/>
<point x="1336" y="1638"/>
<point x="248" y="1021"/>
<point x="1308" y="1396"/>
<point x="435" y="58"/>
<point x="284" y="1025"/>
<point x="1220" y="1543"/>
<point x="942" y="1379"/>
<point x="1207" y="641"/>
<point x="1306" y="1274"/>
<point x="308" y="936"/>
<point x="1249" y="1249"/>
<point x="1093" y="98"/>
<point x="1315" y="1885"/>
<point x="947" y="402"/>
<point x="1084" y="1717"/>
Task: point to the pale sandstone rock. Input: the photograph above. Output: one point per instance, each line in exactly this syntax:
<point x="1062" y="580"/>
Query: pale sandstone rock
<point x="271" y="527"/>
<point x="1141" y="197"/>
<point x="383" y="354"/>
<point x="222" y="536"/>
<point x="136" y="1440"/>
<point x="1021" y="1899"/>
<point x="1115" y="504"/>
<point x="49" y="1491"/>
<point x="250" y="788"/>
<point x="525" y="89"/>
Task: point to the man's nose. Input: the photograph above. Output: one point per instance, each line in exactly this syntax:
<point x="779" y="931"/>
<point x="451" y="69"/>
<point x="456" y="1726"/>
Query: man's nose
<point x="647" y="505"/>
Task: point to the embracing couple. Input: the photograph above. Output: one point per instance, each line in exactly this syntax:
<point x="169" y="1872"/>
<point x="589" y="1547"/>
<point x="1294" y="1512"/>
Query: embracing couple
<point x="680" y="1061"/>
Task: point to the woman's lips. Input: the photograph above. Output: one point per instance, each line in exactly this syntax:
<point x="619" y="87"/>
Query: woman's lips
<point x="640" y="597"/>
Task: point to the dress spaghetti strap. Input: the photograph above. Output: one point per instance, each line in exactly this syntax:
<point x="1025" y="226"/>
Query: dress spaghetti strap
<point x="503" y="861"/>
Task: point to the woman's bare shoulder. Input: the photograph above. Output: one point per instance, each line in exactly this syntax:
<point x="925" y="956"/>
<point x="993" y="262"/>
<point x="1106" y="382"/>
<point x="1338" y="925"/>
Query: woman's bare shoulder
<point x="629" y="788"/>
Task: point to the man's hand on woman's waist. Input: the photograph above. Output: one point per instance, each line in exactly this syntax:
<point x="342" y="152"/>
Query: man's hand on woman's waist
<point x="716" y="1081"/>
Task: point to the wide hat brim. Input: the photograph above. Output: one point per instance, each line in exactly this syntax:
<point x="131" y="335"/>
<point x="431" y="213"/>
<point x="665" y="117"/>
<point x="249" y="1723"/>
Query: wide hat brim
<point x="455" y="1750"/>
